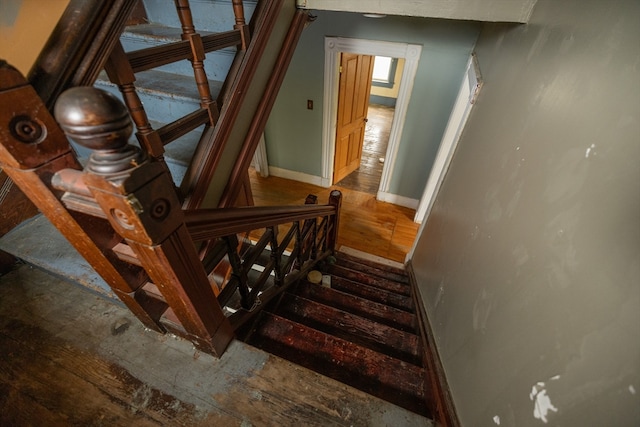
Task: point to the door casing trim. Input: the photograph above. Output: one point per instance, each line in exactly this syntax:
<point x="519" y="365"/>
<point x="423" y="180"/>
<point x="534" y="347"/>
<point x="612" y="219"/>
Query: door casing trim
<point x="332" y="48"/>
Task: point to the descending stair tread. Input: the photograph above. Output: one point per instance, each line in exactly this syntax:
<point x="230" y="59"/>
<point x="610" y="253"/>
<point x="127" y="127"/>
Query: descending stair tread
<point x="395" y="270"/>
<point x="375" y="373"/>
<point x="381" y="313"/>
<point x="380" y="271"/>
<point x="356" y="276"/>
<point x="371" y="293"/>
<point x="360" y="330"/>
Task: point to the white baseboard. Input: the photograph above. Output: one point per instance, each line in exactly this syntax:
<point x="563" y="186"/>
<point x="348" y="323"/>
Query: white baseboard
<point x="298" y="176"/>
<point x="367" y="256"/>
<point x="398" y="200"/>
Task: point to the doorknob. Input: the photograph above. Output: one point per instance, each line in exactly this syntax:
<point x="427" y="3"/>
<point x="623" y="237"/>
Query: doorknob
<point x="366" y="120"/>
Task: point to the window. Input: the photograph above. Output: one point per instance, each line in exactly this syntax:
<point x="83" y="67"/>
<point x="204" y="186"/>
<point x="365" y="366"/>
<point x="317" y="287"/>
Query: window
<point x="384" y="71"/>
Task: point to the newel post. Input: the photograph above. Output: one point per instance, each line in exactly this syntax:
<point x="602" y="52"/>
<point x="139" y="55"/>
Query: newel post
<point x="335" y="199"/>
<point x="138" y="197"/>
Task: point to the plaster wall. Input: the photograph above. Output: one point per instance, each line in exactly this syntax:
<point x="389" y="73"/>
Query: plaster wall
<point x="25" y="26"/>
<point x="529" y="263"/>
<point x="294" y="133"/>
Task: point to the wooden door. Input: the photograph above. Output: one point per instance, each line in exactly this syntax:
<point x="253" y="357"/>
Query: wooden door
<point x="353" y="101"/>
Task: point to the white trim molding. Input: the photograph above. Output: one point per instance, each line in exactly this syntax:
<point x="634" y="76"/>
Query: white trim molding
<point x="297" y="176"/>
<point x="398" y="200"/>
<point x="333" y="47"/>
<point x="469" y="89"/>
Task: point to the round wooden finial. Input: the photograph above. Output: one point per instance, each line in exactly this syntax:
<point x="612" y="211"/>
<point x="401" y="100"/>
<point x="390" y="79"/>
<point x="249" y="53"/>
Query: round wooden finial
<point x="99" y="121"/>
<point x="93" y="118"/>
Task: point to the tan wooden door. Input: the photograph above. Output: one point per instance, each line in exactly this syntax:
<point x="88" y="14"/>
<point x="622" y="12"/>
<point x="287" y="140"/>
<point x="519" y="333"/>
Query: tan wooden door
<point x="353" y="102"/>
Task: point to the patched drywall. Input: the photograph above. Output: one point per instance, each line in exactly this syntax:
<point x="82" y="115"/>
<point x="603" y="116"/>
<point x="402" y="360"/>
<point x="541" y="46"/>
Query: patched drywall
<point x="529" y="264"/>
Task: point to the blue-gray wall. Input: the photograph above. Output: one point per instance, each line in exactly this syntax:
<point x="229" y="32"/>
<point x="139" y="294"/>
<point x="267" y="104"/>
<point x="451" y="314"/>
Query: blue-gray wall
<point x="529" y="264"/>
<point x="294" y="134"/>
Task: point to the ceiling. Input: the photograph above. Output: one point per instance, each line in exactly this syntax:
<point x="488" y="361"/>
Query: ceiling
<point x="476" y="10"/>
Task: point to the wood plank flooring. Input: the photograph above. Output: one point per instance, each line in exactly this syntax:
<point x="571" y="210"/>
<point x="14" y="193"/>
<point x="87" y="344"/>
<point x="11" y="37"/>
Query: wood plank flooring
<point x="377" y="228"/>
<point x="70" y="357"/>
<point x="376" y="139"/>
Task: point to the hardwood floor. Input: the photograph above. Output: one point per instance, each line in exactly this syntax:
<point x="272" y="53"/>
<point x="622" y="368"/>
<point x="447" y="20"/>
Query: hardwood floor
<point x="376" y="138"/>
<point x="71" y="358"/>
<point x="377" y="228"/>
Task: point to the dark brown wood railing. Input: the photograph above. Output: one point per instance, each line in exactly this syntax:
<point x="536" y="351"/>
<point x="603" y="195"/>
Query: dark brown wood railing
<point x="79" y="46"/>
<point x="133" y="192"/>
<point x="177" y="270"/>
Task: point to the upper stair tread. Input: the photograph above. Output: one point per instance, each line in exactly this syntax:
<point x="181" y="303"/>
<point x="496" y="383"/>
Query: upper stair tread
<point x="392" y="379"/>
<point x="380" y="313"/>
<point x="357" y="329"/>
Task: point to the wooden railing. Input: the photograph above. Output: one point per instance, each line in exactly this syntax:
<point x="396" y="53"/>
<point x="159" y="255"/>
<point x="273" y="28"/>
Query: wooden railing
<point x="175" y="270"/>
<point x="133" y="192"/>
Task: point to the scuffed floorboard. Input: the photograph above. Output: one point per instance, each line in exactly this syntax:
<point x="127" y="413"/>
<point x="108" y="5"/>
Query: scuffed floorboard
<point x="69" y="357"/>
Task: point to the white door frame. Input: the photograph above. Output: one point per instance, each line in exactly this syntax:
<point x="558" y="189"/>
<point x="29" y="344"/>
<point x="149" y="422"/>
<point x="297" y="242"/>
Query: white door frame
<point x="332" y="48"/>
<point x="469" y="89"/>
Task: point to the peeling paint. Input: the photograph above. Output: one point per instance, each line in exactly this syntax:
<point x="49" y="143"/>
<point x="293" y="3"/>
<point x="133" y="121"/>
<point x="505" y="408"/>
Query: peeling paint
<point x="496" y="420"/>
<point x="632" y="389"/>
<point x="541" y="402"/>
<point x="588" y="152"/>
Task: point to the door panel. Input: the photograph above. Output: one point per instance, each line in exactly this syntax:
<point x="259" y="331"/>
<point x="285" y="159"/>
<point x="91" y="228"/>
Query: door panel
<point x="353" y="101"/>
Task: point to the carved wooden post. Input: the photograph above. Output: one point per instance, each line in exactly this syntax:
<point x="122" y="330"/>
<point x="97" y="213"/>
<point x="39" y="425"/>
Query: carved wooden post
<point x="138" y="196"/>
<point x="32" y="149"/>
<point x="335" y="199"/>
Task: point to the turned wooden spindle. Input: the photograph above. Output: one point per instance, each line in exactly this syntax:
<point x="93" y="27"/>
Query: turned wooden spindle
<point x="197" y="59"/>
<point x="241" y="24"/>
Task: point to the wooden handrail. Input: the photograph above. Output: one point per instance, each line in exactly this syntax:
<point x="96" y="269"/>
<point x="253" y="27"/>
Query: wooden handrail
<point x="152" y="57"/>
<point x="78" y="47"/>
<point x="207" y="224"/>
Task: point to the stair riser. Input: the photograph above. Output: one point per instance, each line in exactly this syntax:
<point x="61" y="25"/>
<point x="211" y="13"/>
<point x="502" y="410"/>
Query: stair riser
<point x="356" y="276"/>
<point x="216" y="64"/>
<point x="385" y="273"/>
<point x="368" y="292"/>
<point x="390" y="316"/>
<point x="208" y="15"/>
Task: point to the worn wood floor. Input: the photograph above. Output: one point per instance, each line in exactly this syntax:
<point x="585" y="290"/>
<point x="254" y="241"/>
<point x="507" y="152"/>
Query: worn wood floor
<point x="70" y="357"/>
<point x="378" y="228"/>
<point x="376" y="139"/>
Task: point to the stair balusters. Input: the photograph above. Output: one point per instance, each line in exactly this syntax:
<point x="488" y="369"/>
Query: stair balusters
<point x="197" y="60"/>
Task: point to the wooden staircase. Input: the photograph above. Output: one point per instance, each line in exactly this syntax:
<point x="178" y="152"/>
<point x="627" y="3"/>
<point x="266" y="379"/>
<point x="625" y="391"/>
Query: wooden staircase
<point x="169" y="240"/>
<point x="360" y="329"/>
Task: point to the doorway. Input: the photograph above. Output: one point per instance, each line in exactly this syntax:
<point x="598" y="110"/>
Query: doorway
<point x="333" y="48"/>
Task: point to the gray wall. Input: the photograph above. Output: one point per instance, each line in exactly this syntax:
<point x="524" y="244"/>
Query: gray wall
<point x="294" y="134"/>
<point x="529" y="265"/>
